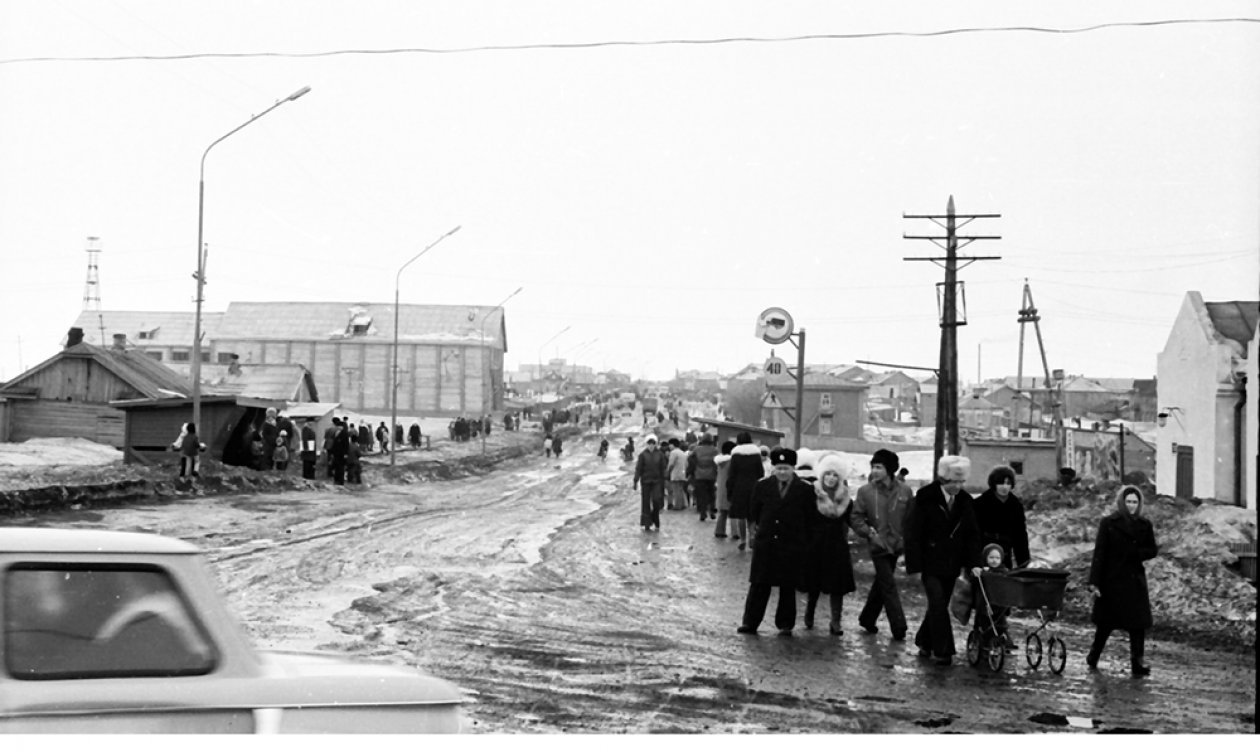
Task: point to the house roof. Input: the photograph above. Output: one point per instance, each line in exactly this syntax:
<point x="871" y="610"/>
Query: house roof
<point x="428" y="324"/>
<point x="144" y="374"/>
<point x="268" y="381"/>
<point x="815" y="381"/>
<point x="975" y="402"/>
<point x="151" y="328"/>
<point x="1235" y="319"/>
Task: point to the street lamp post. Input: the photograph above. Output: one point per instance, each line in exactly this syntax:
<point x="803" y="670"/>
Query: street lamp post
<point x="489" y="374"/>
<point x="393" y="371"/>
<point x="195" y="370"/>
<point x="540" y="349"/>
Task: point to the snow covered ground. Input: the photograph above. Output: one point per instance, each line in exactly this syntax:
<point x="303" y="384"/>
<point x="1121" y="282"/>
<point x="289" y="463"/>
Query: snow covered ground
<point x="56" y="453"/>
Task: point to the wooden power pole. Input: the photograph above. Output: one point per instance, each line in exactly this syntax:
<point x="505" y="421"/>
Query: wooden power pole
<point x="947" y="438"/>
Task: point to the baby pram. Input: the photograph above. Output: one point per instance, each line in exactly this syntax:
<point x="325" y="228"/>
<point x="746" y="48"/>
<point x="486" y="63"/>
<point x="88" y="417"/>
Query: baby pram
<point x="1039" y="590"/>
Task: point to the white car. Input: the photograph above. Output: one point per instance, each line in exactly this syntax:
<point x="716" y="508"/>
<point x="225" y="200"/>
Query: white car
<point x="125" y="632"/>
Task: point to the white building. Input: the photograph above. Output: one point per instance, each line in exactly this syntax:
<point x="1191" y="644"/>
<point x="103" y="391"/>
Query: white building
<point x="1207" y="441"/>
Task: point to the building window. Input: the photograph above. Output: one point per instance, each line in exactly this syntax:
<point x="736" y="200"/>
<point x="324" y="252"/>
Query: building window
<point x="225" y="358"/>
<point x="826" y="400"/>
<point x="180" y="356"/>
<point x="824" y="426"/>
<point x="1017" y="466"/>
<point x="155" y="354"/>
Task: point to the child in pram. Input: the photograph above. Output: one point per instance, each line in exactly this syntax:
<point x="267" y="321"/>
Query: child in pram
<point x="992" y="556"/>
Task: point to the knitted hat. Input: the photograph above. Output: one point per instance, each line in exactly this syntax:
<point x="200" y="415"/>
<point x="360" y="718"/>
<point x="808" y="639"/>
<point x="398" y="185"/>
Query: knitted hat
<point x="984" y="555"/>
<point x="651" y="439"/>
<point x="888" y="459"/>
<point x="782" y="456"/>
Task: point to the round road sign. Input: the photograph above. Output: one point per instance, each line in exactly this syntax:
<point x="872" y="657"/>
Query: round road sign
<point x="775" y="367"/>
<point x="774" y="325"/>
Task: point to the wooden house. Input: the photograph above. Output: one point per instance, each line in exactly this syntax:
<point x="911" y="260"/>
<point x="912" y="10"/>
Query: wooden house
<point x="833" y="408"/>
<point x="71" y="393"/>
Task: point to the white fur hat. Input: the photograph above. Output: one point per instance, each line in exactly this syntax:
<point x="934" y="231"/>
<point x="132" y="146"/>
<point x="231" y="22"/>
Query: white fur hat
<point x="805" y="458"/>
<point x="951" y="467"/>
<point x="834" y="463"/>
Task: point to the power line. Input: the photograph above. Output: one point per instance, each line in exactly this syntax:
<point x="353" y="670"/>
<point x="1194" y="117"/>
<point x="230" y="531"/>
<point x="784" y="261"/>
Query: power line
<point x="631" y="42"/>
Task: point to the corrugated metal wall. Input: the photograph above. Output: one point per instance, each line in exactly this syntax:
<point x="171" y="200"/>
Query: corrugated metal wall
<point x="431" y="378"/>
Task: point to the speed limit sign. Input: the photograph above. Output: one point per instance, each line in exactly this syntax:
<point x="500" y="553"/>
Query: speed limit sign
<point x="775" y="367"/>
<point x="774" y="325"/>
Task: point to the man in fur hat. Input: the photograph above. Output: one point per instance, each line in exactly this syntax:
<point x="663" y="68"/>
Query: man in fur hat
<point x="778" y="514"/>
<point x="942" y="537"/>
<point x="879" y="511"/>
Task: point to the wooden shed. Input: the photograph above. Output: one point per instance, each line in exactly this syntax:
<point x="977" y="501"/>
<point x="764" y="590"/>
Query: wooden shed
<point x="727" y="431"/>
<point x="151" y="425"/>
<point x="70" y="394"/>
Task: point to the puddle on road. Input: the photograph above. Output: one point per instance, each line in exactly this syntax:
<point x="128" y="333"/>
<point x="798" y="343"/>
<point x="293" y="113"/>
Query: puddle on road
<point x="1057" y="719"/>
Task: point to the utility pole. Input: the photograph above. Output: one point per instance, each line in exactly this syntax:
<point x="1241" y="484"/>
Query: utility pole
<point x="947" y="439"/>
<point x="1028" y="314"/>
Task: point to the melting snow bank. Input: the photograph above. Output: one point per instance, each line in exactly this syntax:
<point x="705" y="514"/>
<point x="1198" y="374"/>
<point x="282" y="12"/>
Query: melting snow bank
<point x="1196" y="591"/>
<point x="55" y="452"/>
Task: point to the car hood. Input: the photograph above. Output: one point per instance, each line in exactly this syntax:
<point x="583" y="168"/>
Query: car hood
<point x="333" y="678"/>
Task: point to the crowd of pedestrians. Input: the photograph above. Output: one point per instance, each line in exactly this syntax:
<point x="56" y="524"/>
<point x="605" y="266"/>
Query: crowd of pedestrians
<point x="795" y="512"/>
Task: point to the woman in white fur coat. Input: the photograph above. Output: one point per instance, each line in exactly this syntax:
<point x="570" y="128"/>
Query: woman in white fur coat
<point x="827" y="566"/>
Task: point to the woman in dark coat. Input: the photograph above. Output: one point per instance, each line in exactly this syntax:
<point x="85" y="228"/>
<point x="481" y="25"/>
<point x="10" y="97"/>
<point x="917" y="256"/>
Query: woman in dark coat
<point x="1000" y="515"/>
<point x="1117" y="578"/>
<point x="746" y="470"/>
<point x="828" y="566"/>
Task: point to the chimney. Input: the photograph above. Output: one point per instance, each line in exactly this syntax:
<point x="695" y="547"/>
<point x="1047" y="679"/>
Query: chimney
<point x="120" y="342"/>
<point x="74" y="337"/>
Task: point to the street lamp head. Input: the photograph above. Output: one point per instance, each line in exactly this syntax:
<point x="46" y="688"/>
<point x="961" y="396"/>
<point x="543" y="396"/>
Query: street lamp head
<point x="300" y="92"/>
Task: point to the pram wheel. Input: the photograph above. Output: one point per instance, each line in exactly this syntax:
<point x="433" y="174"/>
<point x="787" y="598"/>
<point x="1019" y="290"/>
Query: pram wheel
<point x="1032" y="650"/>
<point x="973" y="646"/>
<point x="997" y="652"/>
<point x="1057" y="653"/>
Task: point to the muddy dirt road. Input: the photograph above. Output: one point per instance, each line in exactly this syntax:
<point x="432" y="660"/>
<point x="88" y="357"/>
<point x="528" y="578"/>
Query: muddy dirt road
<point x="534" y="589"/>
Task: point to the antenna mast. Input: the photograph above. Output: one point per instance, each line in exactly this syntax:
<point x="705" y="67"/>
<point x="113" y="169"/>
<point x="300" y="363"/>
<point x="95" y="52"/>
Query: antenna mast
<point x="92" y="287"/>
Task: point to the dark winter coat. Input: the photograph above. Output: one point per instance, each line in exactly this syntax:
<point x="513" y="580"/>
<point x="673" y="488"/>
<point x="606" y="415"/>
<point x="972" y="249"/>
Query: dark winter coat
<point x="940" y="542"/>
<point x="1124" y="541"/>
<point x="746" y="470"/>
<point x="782" y="524"/>
<point x="700" y="464"/>
<point x="650" y="467"/>
<point x="828" y="565"/>
<point x="1002" y="522"/>
<point x="308" y="440"/>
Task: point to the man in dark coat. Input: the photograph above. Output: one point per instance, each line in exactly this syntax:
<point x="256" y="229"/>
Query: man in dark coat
<point x="778" y="514"/>
<point x="702" y="473"/>
<point x="649" y="471"/>
<point x="309" y="455"/>
<point x="339" y="453"/>
<point x="1117" y="578"/>
<point x="941" y="538"/>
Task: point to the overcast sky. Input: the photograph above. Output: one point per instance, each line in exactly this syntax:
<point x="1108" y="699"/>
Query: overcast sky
<point x="653" y="198"/>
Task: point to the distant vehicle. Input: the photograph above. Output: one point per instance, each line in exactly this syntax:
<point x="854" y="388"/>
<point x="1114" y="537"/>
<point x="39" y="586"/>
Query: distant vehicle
<point x="108" y="632"/>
